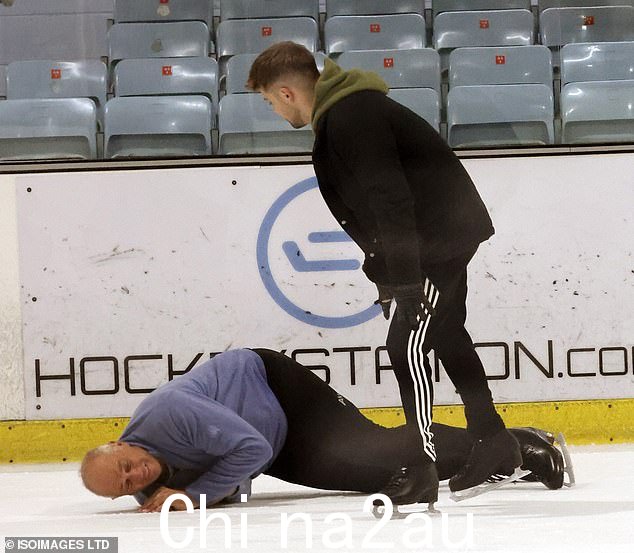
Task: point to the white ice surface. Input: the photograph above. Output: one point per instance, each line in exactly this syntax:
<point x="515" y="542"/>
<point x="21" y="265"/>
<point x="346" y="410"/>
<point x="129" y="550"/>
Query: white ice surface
<point x="596" y="516"/>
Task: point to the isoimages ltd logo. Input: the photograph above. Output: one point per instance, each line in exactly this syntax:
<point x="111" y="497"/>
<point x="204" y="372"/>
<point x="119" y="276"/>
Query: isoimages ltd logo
<point x="385" y="528"/>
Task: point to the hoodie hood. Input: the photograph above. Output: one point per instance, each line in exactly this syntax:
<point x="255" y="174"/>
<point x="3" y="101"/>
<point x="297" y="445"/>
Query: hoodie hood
<point x="335" y="84"/>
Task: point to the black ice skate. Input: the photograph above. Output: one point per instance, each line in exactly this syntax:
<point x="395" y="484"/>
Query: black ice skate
<point x="496" y="455"/>
<point x="541" y="456"/>
<point x="411" y="484"/>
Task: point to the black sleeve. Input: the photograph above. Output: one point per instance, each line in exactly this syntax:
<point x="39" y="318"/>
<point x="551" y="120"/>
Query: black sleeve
<point x="363" y="138"/>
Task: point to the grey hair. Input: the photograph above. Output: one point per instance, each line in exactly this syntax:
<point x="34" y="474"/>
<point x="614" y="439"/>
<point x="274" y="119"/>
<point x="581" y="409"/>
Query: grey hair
<point x="105" y="449"/>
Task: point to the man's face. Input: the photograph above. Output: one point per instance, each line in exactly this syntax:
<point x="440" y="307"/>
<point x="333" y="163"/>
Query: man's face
<point x="284" y="102"/>
<point x="125" y="470"/>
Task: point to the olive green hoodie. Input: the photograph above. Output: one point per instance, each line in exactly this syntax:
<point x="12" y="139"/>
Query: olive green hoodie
<point x="335" y="84"/>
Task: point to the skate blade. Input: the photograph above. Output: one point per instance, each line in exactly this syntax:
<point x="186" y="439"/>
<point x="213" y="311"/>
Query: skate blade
<point x="475" y="491"/>
<point x="403" y="511"/>
<point x="561" y="442"/>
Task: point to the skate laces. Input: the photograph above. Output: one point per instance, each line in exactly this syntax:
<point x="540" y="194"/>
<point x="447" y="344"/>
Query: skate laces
<point x="395" y="482"/>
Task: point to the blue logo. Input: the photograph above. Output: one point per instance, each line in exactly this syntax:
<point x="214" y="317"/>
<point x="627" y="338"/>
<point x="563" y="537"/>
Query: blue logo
<point x="301" y="264"/>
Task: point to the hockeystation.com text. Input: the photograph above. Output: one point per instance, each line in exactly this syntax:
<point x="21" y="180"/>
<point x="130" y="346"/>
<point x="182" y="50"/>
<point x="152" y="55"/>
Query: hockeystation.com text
<point x="416" y="534"/>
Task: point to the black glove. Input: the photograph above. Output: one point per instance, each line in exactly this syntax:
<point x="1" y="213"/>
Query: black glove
<point x="384" y="299"/>
<point x="412" y="305"/>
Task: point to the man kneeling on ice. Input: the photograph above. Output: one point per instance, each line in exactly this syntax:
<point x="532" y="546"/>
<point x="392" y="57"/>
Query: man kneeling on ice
<point x="247" y="412"/>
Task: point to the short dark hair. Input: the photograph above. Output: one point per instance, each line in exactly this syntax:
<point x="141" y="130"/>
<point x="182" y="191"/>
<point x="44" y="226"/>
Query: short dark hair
<point x="280" y="60"/>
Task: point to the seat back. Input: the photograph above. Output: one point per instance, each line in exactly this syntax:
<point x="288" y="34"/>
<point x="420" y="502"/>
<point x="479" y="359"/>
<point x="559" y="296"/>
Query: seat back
<point x="546" y="4"/>
<point x="249" y="36"/>
<point x="424" y="102"/>
<point x="493" y="115"/>
<point x="501" y="65"/>
<point x="559" y="26"/>
<point x="135" y="11"/>
<point x="167" y="76"/>
<point x="374" y="32"/>
<point x="158" y="40"/>
<point x="59" y="79"/>
<point x="140" y="126"/>
<point x="600" y="61"/>
<point x="247" y="124"/>
<point x="56" y="7"/>
<point x="373" y="7"/>
<point x="56" y="128"/>
<point x="238" y="67"/>
<point x="440" y="6"/>
<point x="398" y="68"/>
<point x="264" y="9"/>
<point x="597" y="112"/>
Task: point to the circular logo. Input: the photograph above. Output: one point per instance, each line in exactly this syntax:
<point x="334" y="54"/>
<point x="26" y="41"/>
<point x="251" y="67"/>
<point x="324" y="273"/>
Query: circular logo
<point x="322" y="274"/>
<point x="9" y="544"/>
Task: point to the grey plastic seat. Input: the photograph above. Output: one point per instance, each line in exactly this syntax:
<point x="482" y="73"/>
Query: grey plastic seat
<point x="425" y="102"/>
<point x="374" y="32"/>
<point x="501" y="65"/>
<point x="48" y="7"/>
<point x="158" y="40"/>
<point x="481" y="28"/>
<point x="57" y="128"/>
<point x="559" y="26"/>
<point x="59" y="79"/>
<point x="440" y="6"/>
<point x="373" y="7"/>
<point x="248" y="125"/>
<point x="264" y="9"/>
<point x="546" y="4"/>
<point x="488" y="115"/>
<point x="418" y="68"/>
<point x="599" y="61"/>
<point x="150" y="126"/>
<point x="250" y="36"/>
<point x="62" y="36"/>
<point x="597" y="112"/>
<point x="135" y="11"/>
<point x="238" y="67"/>
<point x="167" y="76"/>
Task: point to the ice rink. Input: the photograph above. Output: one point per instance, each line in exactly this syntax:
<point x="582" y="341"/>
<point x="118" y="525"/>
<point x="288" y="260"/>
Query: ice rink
<point x="596" y="516"/>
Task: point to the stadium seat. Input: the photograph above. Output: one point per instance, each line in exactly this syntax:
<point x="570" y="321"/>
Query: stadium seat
<point x="248" y="125"/>
<point x="600" y="61"/>
<point x="44" y="37"/>
<point x="559" y="26"/>
<point x="425" y="102"/>
<point x="250" y="36"/>
<point x="238" y="68"/>
<point x="55" y="7"/>
<point x="58" y="128"/>
<point x="59" y="79"/>
<point x="598" y="92"/>
<point x="418" y="68"/>
<point x="158" y="40"/>
<point x="167" y="76"/>
<point x="374" y="32"/>
<point x="373" y="7"/>
<point x="500" y="66"/>
<point x="440" y="6"/>
<point x="263" y="9"/>
<point x="490" y="115"/>
<point x="135" y="11"/>
<point x="150" y="126"/>
<point x="481" y="28"/>
<point x="545" y="4"/>
<point x="597" y="112"/>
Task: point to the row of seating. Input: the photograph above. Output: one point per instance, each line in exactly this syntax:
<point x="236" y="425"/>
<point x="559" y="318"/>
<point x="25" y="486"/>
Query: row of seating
<point x="496" y="96"/>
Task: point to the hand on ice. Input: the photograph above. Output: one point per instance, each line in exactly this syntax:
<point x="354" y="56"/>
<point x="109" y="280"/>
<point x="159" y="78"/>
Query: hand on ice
<point x="156" y="500"/>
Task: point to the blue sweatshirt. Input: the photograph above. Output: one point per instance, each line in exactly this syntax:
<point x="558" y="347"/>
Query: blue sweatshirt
<point x="221" y="421"/>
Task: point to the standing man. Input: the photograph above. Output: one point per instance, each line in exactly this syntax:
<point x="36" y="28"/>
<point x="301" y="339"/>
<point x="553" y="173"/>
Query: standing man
<point x="404" y="197"/>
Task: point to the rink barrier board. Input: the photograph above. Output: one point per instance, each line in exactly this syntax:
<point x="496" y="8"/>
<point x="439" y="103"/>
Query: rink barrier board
<point x="581" y="422"/>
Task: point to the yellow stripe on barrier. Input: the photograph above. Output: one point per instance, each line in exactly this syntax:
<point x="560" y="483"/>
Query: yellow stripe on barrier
<point x="582" y="422"/>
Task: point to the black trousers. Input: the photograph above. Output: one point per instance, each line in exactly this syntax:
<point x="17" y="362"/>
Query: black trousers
<point x="446" y="287"/>
<point x="330" y="445"/>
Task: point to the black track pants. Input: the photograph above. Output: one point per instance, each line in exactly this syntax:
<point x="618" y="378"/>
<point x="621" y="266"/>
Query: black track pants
<point x="331" y="445"/>
<point x="446" y="287"/>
